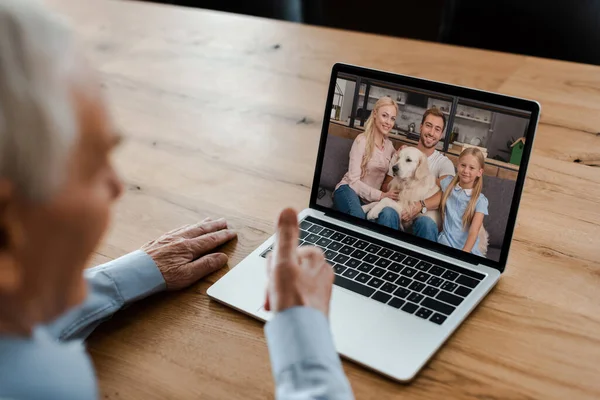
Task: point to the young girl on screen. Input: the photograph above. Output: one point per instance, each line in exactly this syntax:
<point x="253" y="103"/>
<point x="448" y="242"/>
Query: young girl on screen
<point x="463" y="206"/>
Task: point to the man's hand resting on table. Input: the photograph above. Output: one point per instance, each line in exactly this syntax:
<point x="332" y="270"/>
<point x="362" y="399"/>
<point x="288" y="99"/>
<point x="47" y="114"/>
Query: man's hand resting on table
<point x="185" y="255"/>
<point x="297" y="276"/>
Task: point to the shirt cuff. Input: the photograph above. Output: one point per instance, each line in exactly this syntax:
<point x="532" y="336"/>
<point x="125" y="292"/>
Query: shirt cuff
<point x="135" y="275"/>
<point x="298" y="334"/>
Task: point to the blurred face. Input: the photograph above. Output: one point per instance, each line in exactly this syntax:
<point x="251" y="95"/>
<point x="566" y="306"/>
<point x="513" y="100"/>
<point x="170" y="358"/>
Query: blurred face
<point x="51" y="242"/>
<point x="468" y="170"/>
<point x="385" y="118"/>
<point x="431" y="131"/>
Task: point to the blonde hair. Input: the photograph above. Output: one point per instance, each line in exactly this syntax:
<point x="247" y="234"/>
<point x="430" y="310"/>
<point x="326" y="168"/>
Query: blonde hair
<point x="470" y="211"/>
<point x="369" y="131"/>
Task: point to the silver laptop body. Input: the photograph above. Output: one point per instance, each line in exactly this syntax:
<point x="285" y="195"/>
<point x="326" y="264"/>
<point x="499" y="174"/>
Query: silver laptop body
<point x="369" y="327"/>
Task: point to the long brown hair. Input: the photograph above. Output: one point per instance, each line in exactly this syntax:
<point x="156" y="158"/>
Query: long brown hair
<point x="369" y="131"/>
<point x="470" y="211"/>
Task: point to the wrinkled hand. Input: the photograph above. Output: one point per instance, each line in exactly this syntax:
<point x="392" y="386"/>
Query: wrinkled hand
<point x="392" y="194"/>
<point x="297" y="276"/>
<point x="184" y="255"/>
<point x="411" y="213"/>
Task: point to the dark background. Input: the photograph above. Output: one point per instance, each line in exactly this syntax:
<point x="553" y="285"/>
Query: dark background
<point x="565" y="30"/>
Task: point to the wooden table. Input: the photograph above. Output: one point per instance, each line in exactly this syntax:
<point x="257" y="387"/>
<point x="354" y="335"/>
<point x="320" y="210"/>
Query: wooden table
<point x="223" y="115"/>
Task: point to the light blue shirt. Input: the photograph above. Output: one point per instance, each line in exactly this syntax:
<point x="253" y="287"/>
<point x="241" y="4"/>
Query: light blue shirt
<point x="453" y="233"/>
<point x="53" y="364"/>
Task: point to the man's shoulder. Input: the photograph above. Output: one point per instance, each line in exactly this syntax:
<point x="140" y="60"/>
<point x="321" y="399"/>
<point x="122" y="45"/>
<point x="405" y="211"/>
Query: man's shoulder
<point x="41" y="367"/>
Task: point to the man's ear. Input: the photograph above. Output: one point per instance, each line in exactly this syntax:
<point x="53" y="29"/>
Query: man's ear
<point x="422" y="169"/>
<point x="11" y="239"/>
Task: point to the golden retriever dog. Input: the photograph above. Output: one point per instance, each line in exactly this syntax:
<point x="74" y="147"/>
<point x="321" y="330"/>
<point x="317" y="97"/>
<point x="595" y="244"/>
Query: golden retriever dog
<point x="415" y="182"/>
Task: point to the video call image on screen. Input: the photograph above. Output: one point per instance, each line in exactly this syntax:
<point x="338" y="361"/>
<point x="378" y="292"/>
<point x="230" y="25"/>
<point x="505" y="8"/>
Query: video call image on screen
<point x="439" y="167"/>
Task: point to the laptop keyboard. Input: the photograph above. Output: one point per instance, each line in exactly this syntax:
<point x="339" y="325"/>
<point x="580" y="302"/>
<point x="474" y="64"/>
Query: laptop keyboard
<point x="400" y="278"/>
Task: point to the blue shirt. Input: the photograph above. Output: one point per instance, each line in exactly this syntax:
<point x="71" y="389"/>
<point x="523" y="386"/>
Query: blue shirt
<point x="53" y="364"/>
<point x="453" y="233"/>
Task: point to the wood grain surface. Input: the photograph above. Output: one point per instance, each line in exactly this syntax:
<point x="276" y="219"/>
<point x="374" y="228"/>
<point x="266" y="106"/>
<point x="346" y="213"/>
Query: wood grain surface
<point x="222" y="115"/>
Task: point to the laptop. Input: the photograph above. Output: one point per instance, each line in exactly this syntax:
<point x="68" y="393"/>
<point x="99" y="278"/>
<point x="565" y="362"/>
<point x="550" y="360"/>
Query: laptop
<point x="398" y="297"/>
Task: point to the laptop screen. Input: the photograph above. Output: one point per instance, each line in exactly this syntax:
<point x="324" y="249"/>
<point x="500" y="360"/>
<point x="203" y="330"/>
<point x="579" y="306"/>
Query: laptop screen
<point x="432" y="162"/>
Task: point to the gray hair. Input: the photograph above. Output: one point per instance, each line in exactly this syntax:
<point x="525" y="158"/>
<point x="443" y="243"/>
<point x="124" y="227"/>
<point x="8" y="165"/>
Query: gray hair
<point x="38" y="121"/>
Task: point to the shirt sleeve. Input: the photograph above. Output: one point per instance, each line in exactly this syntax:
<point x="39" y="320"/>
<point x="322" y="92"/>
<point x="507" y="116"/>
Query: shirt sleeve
<point x="482" y="205"/>
<point x="444" y="183"/>
<point x="362" y="189"/>
<point x="111" y="286"/>
<point x="446" y="167"/>
<point x="304" y="361"/>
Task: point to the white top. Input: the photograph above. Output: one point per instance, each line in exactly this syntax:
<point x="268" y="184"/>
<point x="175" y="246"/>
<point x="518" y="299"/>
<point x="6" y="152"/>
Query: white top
<point x="439" y="165"/>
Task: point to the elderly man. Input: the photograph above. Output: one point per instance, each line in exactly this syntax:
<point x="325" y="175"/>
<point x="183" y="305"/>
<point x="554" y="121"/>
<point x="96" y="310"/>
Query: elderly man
<point x="57" y="185"/>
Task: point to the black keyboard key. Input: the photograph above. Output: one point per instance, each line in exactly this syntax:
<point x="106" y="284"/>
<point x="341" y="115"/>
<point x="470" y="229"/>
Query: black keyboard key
<point x="327" y="232"/>
<point x="415" y="297"/>
<point x="438" y="318"/>
<point x="423" y="313"/>
<point x="358" y="254"/>
<point x="301" y="243"/>
<point x="436" y="270"/>
<point x="467" y="281"/>
<point x="337" y="237"/>
<point x="410" y="261"/>
<point x="382" y="297"/>
<point x="389" y="287"/>
<point x="335" y="246"/>
<point x="430" y="291"/>
<point x="353" y="286"/>
<point x="378" y="272"/>
<point x="372" y="248"/>
<point x="395" y="267"/>
<point x="417" y="286"/>
<point x="330" y="255"/>
<point x="449" y="286"/>
<point x="438" y="306"/>
<point x="449" y="298"/>
<point x="323" y="242"/>
<point x="364" y="267"/>
<point x="463" y="291"/>
<point x="363" y="278"/>
<point x="435" y="281"/>
<point x="396" y="302"/>
<point x="450" y="275"/>
<point x="390" y="276"/>
<point x="422" y="276"/>
<point x="353" y="263"/>
<point x="375" y="282"/>
<point x="402" y="292"/>
<point x="385" y="253"/>
<point x="315" y="229"/>
<point x="361" y="244"/>
<point x="383" y="263"/>
<point x="397" y="257"/>
<point x="371" y="258"/>
<point x="350" y="273"/>
<point x="349" y="240"/>
<point x="306" y="244"/>
<point x="407" y="271"/>
<point x="303" y="234"/>
<point x="305" y="225"/>
<point x="410" y="308"/>
<point x="340" y="258"/>
<point x="312" y="238"/>
<point x="404" y="281"/>
<point x="338" y="269"/>
<point x="347" y="250"/>
<point x="423" y="265"/>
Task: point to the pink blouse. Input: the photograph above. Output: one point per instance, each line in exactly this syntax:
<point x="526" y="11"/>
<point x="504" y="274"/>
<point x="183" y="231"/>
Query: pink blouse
<point x="367" y="187"/>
